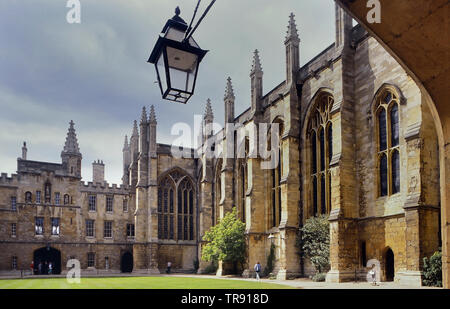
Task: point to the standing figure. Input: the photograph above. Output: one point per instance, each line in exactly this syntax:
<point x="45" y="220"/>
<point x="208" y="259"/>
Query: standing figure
<point x="169" y="266"/>
<point x="257" y="270"/>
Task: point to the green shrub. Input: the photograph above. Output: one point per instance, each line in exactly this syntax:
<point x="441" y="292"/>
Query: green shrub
<point x="270" y="262"/>
<point x="211" y="268"/>
<point x="315" y="242"/>
<point x="432" y="270"/>
<point x="319" y="277"/>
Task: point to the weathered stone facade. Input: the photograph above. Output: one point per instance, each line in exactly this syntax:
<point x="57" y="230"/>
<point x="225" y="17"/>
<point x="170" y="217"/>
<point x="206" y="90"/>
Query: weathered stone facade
<point x="330" y="161"/>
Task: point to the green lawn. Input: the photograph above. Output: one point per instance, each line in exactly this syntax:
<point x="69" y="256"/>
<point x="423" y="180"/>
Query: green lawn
<point x="137" y="283"/>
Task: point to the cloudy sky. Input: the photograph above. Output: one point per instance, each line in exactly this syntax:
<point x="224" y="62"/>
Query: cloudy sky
<point x="95" y="73"/>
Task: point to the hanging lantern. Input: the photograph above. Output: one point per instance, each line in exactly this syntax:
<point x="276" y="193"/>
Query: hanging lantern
<point x="176" y="58"/>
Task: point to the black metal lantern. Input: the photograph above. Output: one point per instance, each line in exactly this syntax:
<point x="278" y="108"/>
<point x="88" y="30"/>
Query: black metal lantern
<point x="176" y="57"/>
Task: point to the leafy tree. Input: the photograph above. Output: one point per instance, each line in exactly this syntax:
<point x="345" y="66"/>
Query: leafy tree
<point x="432" y="270"/>
<point x="315" y="242"/>
<point x="226" y="241"/>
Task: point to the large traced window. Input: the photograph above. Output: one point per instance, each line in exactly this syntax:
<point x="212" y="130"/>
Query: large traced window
<point x="176" y="207"/>
<point x="275" y="180"/>
<point x="320" y="139"/>
<point x="217" y="193"/>
<point x="388" y="152"/>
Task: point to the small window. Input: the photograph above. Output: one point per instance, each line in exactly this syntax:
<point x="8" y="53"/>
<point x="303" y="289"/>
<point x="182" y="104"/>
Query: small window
<point x="57" y="198"/>
<point x="13" y="203"/>
<point x="125" y="205"/>
<point x="130" y="230"/>
<point x="28" y="197"/>
<point x="38" y="197"/>
<point x="55" y="226"/>
<point x="39" y="226"/>
<point x="90" y="228"/>
<point x="109" y="203"/>
<point x="13" y="230"/>
<point x="14" y="263"/>
<point x="107" y="230"/>
<point x="92" y="203"/>
<point x="91" y="259"/>
<point x="106" y="262"/>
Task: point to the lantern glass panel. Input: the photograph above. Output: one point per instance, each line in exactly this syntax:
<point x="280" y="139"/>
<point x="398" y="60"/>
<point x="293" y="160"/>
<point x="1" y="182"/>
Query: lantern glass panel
<point x="161" y="71"/>
<point x="182" y="69"/>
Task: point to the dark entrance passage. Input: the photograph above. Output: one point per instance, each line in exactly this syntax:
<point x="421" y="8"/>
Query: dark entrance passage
<point x="126" y="263"/>
<point x="44" y="257"/>
<point x="390" y="271"/>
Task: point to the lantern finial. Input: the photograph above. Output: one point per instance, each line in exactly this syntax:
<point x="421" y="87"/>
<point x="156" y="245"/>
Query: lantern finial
<point x="177" y="11"/>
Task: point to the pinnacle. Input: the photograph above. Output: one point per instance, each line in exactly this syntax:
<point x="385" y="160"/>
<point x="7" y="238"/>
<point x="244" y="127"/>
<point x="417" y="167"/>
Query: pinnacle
<point x="229" y="93"/>
<point x="292" y="32"/>
<point x="144" y="115"/>
<point x="152" y="116"/>
<point x="135" y="129"/>
<point x="256" y="66"/>
<point x="71" y="145"/>
<point x="208" y="112"/>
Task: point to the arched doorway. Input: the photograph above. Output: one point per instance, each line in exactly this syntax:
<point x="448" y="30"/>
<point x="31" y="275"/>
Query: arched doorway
<point x="44" y="256"/>
<point x="126" y="263"/>
<point x="389" y="264"/>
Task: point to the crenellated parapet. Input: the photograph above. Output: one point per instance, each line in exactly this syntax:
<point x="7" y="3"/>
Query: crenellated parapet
<point x="104" y="188"/>
<point x="9" y="181"/>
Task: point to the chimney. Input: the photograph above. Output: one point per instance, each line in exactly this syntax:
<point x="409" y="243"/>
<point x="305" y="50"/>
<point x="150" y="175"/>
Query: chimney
<point x="98" y="172"/>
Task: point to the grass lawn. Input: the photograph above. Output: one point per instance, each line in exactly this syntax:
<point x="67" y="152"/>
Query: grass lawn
<point x="137" y="283"/>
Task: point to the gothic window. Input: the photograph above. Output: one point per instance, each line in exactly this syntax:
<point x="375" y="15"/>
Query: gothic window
<point x="176" y="207"/>
<point x="55" y="226"/>
<point x="320" y="136"/>
<point x="57" y="198"/>
<point x="388" y="137"/>
<point x="38" y="197"/>
<point x="39" y="226"/>
<point x="243" y="182"/>
<point x="14" y="203"/>
<point x="125" y="205"/>
<point x="217" y="192"/>
<point x="276" y="182"/>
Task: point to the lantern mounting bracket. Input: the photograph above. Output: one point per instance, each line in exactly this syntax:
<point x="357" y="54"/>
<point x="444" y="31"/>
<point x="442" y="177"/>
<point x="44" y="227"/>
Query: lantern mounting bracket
<point x="190" y="32"/>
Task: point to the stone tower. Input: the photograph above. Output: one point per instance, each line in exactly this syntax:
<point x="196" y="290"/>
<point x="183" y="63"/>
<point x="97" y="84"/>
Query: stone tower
<point x="71" y="156"/>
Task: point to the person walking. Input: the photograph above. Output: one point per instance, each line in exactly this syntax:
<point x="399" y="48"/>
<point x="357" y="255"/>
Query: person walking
<point x="40" y="268"/>
<point x="32" y="267"/>
<point x="50" y="268"/>
<point x="169" y="266"/>
<point x="257" y="269"/>
<point x="373" y="274"/>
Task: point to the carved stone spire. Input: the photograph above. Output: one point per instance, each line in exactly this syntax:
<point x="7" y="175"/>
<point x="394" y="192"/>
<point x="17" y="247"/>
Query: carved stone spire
<point x="292" y="33"/>
<point x="256" y="66"/>
<point x="71" y="145"/>
<point x="24" y="151"/>
<point x="229" y="102"/>
<point x="209" y="116"/>
<point x="143" y="116"/>
<point x="125" y="144"/>
<point x="152" y="116"/>
<point x="135" y="129"/>
<point x="229" y="93"/>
